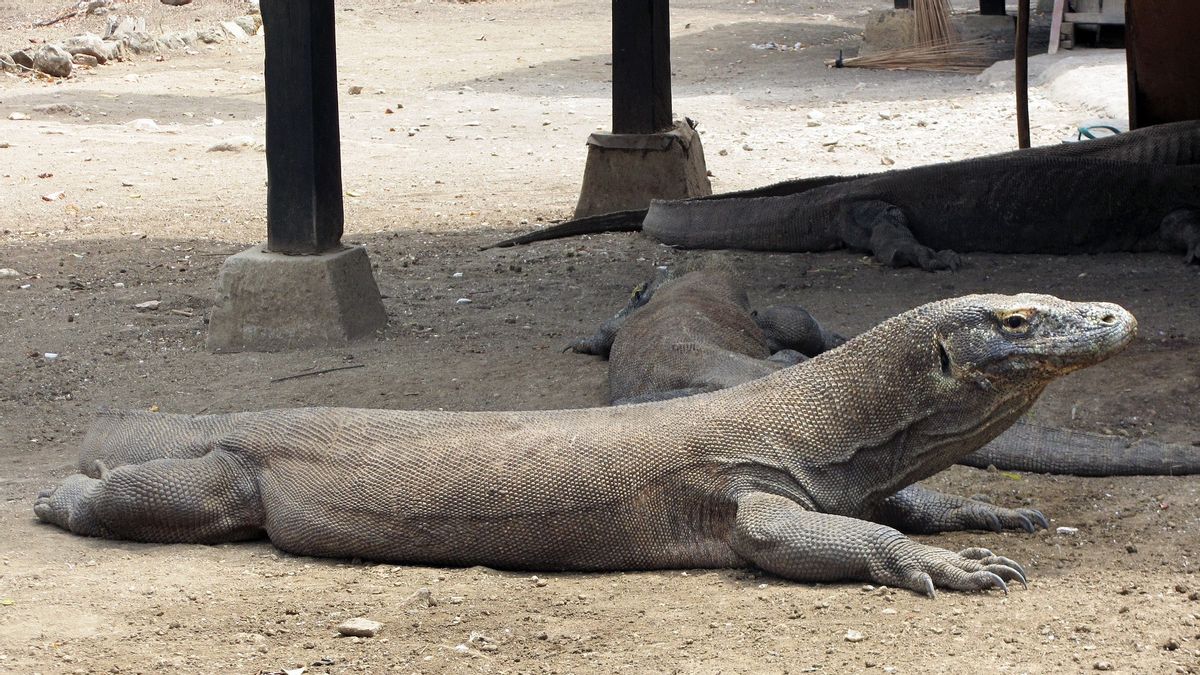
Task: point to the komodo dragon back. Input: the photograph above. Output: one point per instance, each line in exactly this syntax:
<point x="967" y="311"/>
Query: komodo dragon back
<point x="796" y="473"/>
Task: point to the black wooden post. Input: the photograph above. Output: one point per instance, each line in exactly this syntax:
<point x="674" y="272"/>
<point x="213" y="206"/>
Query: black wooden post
<point x="304" y="167"/>
<point x="641" y="66"/>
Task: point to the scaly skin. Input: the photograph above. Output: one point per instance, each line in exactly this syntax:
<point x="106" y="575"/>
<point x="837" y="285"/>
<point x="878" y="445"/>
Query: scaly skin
<point x="1136" y="191"/>
<point x="784" y="472"/>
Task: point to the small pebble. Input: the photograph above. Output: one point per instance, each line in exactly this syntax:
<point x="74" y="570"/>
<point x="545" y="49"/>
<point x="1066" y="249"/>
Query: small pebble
<point x="18" y="116"/>
<point x="9" y="273"/>
<point x="148" y="305"/>
<point x="1102" y="665"/>
<point x="359" y="627"/>
<point x="462" y="301"/>
<point x="854" y="636"/>
<point x="1068" y="530"/>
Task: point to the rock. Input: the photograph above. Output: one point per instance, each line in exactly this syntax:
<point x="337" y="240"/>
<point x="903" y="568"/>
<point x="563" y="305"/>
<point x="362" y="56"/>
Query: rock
<point x="7" y="65"/>
<point x="8" y="273"/>
<point x="176" y="3"/>
<point x="179" y="39"/>
<point x="250" y="23"/>
<point x="93" y="45"/>
<point x="52" y="60"/>
<point x="354" y="90"/>
<point x="1069" y="531"/>
<point x="22" y="58"/>
<point x="141" y="42"/>
<point x="86" y="60"/>
<point x="17" y="116"/>
<point x="359" y="627"/>
<point x="237" y="144"/>
<point x="118" y="27"/>
<point x="235" y="31"/>
<point x="211" y="36"/>
<point x="1102" y="665"/>
<point x="148" y="306"/>
<point x="854" y="636"/>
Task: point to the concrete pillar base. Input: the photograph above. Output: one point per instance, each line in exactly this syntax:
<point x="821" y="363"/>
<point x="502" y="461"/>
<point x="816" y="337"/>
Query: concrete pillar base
<point x="269" y="302"/>
<point x="626" y="171"/>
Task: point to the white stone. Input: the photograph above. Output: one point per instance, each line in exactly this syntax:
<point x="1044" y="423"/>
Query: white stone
<point x="359" y="627"/>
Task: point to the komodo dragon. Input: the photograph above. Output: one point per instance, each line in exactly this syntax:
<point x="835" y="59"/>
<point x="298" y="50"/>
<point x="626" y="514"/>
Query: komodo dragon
<point x="695" y="332"/>
<point x="786" y="472"/>
<point x="1137" y="191"/>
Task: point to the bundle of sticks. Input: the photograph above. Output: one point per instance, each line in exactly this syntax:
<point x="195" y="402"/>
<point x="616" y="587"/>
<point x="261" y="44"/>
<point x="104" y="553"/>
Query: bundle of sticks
<point x="935" y="46"/>
<point x="955" y="57"/>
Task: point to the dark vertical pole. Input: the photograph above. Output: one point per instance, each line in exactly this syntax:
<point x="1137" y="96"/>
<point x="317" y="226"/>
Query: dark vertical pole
<point x="1021" y="74"/>
<point x="304" y="166"/>
<point x="641" y="66"/>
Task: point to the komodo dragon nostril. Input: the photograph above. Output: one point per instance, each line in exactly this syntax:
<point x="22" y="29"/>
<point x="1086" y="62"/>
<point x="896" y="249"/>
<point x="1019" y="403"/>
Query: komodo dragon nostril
<point x="1108" y="319"/>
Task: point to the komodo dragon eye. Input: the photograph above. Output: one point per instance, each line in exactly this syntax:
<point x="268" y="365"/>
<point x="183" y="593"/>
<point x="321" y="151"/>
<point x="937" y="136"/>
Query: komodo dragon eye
<point x="1017" y="322"/>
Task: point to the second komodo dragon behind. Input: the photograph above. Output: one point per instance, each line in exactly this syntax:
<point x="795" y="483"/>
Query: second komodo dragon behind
<point x="695" y="332"/>
<point x="795" y="472"/>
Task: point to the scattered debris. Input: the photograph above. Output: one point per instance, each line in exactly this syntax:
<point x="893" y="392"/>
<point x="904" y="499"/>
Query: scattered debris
<point x="237" y="144"/>
<point x="53" y="196"/>
<point x="318" y="372"/>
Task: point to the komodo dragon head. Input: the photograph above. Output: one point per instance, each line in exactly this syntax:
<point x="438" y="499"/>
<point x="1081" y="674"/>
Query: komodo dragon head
<point x="923" y="389"/>
<point x="1000" y="342"/>
<point x="984" y="361"/>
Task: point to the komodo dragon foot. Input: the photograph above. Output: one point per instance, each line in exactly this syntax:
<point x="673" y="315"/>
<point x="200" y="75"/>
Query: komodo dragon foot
<point x="918" y="510"/>
<point x="784" y="538"/>
<point x="67" y="506"/>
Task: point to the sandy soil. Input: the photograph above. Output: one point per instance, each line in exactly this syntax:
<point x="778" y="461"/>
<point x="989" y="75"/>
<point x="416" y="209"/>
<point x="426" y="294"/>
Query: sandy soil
<point x="501" y="96"/>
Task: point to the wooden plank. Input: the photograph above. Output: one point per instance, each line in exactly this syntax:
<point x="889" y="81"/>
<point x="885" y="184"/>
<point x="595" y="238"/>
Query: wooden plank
<point x="304" y="171"/>
<point x="1115" y="17"/>
<point x="641" y="66"/>
<point x="1056" y="21"/>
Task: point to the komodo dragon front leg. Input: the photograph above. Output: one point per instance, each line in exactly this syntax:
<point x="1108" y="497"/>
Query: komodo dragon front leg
<point x="882" y="229"/>
<point x="782" y="537"/>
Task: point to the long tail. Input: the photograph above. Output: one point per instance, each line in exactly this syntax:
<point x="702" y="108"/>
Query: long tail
<point x="619" y="221"/>
<point x="631" y="221"/>
<point x="1028" y="447"/>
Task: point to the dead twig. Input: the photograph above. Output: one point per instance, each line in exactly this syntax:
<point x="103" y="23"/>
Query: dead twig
<point x="318" y="372"/>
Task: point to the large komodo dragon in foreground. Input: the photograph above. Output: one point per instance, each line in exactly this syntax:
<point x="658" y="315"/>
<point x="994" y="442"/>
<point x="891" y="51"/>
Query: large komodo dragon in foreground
<point x="793" y="472"/>
<point x="1136" y="191"/>
<point x="695" y="332"/>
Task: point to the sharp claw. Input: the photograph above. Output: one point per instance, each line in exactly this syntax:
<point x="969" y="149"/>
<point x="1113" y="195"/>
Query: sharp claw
<point x="1026" y="524"/>
<point x="1041" y="519"/>
<point x="998" y="582"/>
<point x="930" y="591"/>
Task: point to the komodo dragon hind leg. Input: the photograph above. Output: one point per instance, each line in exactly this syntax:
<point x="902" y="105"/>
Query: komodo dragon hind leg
<point x="918" y="510"/>
<point x="1181" y="228"/>
<point x="782" y="537"/>
<point x="882" y="229"/>
<point x="206" y="500"/>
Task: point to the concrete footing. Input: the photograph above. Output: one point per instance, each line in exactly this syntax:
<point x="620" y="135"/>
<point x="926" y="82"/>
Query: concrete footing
<point x="269" y="302"/>
<point x="626" y="171"/>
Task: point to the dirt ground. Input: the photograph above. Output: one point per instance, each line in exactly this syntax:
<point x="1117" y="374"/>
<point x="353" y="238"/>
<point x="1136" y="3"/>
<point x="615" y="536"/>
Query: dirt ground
<point x="471" y="125"/>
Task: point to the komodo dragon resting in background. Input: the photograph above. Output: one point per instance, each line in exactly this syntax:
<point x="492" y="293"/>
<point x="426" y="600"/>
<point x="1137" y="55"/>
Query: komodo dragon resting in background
<point x="794" y="472"/>
<point x="1136" y="191"/>
<point x="695" y="333"/>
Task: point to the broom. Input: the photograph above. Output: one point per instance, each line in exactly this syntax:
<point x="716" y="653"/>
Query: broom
<point x="955" y="57"/>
